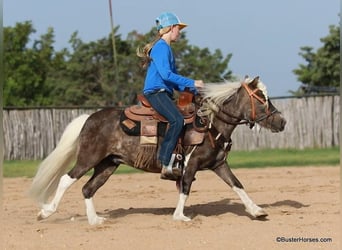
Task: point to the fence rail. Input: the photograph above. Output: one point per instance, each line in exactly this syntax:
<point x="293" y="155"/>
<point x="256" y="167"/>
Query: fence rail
<point x="311" y="122"/>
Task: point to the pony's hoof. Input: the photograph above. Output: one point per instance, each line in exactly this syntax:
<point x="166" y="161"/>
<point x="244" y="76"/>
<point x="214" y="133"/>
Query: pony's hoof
<point x="41" y="215"/>
<point x="260" y="214"/>
<point x="96" y="221"/>
<point x="181" y="218"/>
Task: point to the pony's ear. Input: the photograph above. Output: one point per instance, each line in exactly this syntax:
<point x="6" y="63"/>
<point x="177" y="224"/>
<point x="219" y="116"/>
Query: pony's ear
<point x="253" y="84"/>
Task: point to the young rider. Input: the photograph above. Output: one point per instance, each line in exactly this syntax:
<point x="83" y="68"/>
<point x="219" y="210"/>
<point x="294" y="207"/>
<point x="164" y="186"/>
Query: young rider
<point x="161" y="80"/>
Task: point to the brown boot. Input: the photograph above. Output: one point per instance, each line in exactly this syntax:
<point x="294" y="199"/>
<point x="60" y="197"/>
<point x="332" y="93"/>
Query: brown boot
<point x="170" y="174"/>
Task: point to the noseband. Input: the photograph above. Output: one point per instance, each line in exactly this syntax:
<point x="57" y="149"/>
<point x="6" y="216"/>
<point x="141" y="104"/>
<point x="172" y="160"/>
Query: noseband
<point x="252" y="95"/>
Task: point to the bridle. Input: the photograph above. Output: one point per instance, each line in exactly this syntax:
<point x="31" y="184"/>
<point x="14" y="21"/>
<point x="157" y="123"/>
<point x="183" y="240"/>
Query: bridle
<point x="251" y="122"/>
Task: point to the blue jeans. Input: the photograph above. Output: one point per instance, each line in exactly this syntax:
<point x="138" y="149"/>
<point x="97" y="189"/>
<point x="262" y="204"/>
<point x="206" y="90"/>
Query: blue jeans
<point x="162" y="102"/>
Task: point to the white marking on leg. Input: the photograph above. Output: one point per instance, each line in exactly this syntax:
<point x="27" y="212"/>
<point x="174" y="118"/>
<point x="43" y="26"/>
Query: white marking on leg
<point x="93" y="219"/>
<point x="251" y="207"/>
<point x="179" y="211"/>
<point x="187" y="157"/>
<point x="48" y="209"/>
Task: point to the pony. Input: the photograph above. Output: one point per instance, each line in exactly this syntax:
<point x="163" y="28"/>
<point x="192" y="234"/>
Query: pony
<point x="97" y="141"/>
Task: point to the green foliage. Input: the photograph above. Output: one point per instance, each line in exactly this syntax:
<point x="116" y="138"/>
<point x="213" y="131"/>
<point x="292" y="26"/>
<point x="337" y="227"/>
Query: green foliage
<point x="26" y="69"/>
<point x="198" y="63"/>
<point x="86" y="75"/>
<point x="322" y="68"/>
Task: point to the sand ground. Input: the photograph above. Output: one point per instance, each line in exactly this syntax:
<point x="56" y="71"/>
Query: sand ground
<point x="302" y="203"/>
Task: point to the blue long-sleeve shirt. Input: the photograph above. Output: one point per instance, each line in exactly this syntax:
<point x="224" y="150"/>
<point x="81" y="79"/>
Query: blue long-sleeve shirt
<point x="162" y="72"/>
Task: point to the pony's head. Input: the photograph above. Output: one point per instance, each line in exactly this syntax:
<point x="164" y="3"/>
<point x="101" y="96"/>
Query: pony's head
<point x="243" y="102"/>
<point x="261" y="108"/>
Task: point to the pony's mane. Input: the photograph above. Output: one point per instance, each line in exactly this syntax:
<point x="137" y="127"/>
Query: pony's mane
<point x="220" y="92"/>
<point x="214" y="95"/>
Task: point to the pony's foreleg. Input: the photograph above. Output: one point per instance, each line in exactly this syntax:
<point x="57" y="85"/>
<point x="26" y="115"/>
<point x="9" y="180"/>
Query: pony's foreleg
<point x="227" y="175"/>
<point x="183" y="187"/>
<point x="251" y="207"/>
<point x="179" y="211"/>
<point x="48" y="209"/>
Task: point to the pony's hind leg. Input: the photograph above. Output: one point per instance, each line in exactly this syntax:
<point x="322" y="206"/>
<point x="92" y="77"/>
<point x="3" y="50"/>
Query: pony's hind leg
<point x="48" y="209"/>
<point x="101" y="174"/>
<point x="227" y="175"/>
<point x="64" y="183"/>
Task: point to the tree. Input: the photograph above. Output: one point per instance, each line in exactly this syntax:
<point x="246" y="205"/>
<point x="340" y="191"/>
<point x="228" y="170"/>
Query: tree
<point x="85" y="74"/>
<point x="89" y="75"/>
<point x="322" y="71"/>
<point x="27" y="68"/>
<point x="18" y="65"/>
<point x="198" y="63"/>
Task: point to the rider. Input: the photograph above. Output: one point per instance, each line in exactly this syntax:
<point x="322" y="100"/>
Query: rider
<point x="160" y="82"/>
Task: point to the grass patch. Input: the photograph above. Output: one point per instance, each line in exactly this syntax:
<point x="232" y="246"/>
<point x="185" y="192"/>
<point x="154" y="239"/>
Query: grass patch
<point x="237" y="159"/>
<point x="284" y="157"/>
<point x="20" y="168"/>
<point x="28" y="168"/>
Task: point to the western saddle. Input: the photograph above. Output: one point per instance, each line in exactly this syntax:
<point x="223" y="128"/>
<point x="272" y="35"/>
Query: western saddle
<point x="146" y="112"/>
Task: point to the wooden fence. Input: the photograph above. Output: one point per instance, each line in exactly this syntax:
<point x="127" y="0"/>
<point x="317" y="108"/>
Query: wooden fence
<point x="311" y="122"/>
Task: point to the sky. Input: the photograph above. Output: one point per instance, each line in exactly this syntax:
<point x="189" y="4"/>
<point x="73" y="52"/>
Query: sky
<point x="264" y="36"/>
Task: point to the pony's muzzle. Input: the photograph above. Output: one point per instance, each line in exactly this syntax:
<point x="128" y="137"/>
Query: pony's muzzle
<point x="278" y="127"/>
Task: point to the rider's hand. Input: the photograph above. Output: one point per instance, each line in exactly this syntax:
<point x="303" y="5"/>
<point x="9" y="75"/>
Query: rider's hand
<point x="199" y="84"/>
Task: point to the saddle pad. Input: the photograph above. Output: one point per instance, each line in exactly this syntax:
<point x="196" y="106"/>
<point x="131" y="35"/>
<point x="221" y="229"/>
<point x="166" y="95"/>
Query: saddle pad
<point x="149" y="128"/>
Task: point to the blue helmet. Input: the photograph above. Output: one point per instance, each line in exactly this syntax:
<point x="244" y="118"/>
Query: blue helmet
<point x="167" y="19"/>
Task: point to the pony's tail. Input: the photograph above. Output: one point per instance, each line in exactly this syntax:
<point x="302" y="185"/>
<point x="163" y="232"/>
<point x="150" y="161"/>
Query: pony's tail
<point x="55" y="165"/>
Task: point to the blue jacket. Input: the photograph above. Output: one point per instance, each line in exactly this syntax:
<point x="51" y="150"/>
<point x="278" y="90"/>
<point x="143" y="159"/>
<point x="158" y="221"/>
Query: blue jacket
<point x="162" y="72"/>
